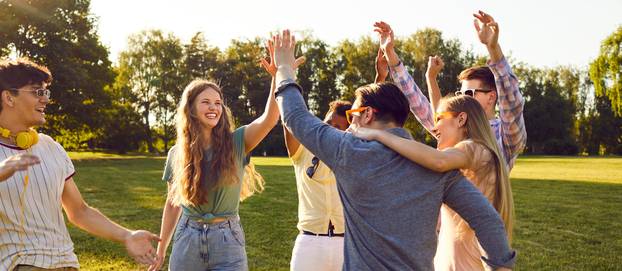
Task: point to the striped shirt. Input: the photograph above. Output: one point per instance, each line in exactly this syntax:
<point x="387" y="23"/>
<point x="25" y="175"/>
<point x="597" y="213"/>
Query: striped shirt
<point x="508" y="128"/>
<point x="32" y="227"/>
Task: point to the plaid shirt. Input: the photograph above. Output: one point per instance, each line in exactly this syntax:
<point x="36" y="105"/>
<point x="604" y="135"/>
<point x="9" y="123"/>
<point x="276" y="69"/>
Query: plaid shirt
<point x="508" y="128"/>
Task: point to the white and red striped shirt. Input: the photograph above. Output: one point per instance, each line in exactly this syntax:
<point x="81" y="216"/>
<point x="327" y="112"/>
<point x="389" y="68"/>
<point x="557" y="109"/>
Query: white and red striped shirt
<point x="32" y="227"/>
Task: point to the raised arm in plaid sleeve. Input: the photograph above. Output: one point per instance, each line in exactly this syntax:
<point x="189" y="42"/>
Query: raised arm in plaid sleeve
<point x="419" y="104"/>
<point x="511" y="104"/>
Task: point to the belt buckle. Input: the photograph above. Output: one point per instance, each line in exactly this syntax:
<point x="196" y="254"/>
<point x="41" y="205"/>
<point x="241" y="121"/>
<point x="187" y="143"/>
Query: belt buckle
<point x="331" y="233"/>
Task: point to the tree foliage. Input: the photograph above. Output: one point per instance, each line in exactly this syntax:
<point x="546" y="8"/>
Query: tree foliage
<point x="131" y="106"/>
<point x="606" y="71"/>
<point x="62" y="36"/>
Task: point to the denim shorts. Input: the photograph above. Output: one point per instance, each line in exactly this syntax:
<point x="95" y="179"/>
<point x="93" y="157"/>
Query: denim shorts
<point x="202" y="246"/>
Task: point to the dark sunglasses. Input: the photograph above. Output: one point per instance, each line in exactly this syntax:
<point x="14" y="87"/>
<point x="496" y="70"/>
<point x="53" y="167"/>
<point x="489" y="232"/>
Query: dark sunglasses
<point x="471" y="91"/>
<point x="315" y="162"/>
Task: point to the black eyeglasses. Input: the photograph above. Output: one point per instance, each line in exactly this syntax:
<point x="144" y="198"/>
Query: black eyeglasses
<point x="471" y="91"/>
<point x="42" y="92"/>
<point x="315" y="162"/>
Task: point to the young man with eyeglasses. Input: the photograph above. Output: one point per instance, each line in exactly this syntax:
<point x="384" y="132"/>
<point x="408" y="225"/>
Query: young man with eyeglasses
<point x="390" y="204"/>
<point x="36" y="184"/>
<point x="319" y="246"/>
<point x="489" y="85"/>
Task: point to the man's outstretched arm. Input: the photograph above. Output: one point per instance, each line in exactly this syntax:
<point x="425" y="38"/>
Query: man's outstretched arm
<point x="510" y="100"/>
<point x="419" y="104"/>
<point x="318" y="137"/>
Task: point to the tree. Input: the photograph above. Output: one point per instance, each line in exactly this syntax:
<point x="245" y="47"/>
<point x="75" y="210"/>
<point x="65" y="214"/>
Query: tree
<point x="61" y="35"/>
<point x="317" y="76"/>
<point x="549" y="110"/>
<point x="123" y="129"/>
<point x="355" y="65"/>
<point x="200" y="59"/>
<point x="246" y="85"/>
<point x="606" y="71"/>
<point x="150" y="68"/>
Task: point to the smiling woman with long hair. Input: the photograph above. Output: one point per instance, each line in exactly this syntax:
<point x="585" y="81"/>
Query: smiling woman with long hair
<point x="465" y="142"/>
<point x="205" y="175"/>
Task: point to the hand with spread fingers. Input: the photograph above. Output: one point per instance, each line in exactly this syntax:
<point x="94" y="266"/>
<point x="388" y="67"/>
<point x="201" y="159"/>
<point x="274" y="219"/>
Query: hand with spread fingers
<point x="387" y="43"/>
<point x="270" y="66"/>
<point x="19" y="162"/>
<point x="284" y="46"/>
<point x="387" y="39"/>
<point x="487" y="29"/>
<point x="139" y="246"/>
<point x="488" y="33"/>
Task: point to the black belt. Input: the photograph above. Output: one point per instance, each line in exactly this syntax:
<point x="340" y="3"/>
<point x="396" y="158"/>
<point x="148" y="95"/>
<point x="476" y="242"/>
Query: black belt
<point x="329" y="234"/>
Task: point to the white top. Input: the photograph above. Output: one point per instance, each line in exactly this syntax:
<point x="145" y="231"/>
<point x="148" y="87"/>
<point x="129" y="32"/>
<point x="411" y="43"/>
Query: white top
<point x="32" y="227"/>
<point x="318" y="198"/>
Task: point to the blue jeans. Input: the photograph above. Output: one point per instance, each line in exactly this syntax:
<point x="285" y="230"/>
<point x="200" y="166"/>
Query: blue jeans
<point x="202" y="246"/>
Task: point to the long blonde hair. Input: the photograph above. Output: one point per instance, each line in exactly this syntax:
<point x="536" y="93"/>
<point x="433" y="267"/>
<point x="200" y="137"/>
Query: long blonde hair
<point x="479" y="131"/>
<point x="252" y="183"/>
<point x="190" y="187"/>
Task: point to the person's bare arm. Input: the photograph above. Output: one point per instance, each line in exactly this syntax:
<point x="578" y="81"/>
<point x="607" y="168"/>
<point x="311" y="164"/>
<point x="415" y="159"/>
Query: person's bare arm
<point x="170" y="217"/>
<point x="436" y="160"/>
<point x="138" y="243"/>
<point x="435" y="65"/>
<point x="291" y="143"/>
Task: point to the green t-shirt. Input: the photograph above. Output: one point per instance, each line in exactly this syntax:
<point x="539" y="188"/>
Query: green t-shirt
<point x="222" y="201"/>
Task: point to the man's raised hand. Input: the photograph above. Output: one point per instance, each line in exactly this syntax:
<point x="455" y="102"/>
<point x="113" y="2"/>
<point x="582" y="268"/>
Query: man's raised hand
<point x="487" y="29"/>
<point x="270" y="66"/>
<point x="387" y="38"/>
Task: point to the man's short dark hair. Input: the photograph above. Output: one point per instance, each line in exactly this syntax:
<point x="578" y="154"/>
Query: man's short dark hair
<point x="482" y="73"/>
<point x="387" y="99"/>
<point x="339" y="107"/>
<point x="21" y="72"/>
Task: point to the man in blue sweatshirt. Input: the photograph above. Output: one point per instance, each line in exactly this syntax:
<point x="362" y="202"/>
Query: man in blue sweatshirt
<point x="390" y="204"/>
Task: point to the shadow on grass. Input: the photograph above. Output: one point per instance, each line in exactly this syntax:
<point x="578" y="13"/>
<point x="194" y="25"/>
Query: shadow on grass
<point x="567" y="225"/>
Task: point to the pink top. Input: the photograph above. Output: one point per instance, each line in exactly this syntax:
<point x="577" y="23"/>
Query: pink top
<point x="458" y="248"/>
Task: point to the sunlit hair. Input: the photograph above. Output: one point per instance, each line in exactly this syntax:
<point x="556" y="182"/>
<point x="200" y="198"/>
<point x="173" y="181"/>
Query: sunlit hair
<point x="252" y="183"/>
<point x="339" y="107"/>
<point x="482" y="73"/>
<point x="190" y="186"/>
<point x="21" y="72"/>
<point x="479" y="131"/>
<point x="387" y="98"/>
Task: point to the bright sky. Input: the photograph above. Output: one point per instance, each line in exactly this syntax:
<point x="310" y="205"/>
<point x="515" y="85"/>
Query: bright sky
<point x="538" y="32"/>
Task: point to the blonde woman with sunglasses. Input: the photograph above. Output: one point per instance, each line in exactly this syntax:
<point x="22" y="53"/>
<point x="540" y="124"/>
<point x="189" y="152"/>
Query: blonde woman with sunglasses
<point x="492" y="85"/>
<point x="465" y="142"/>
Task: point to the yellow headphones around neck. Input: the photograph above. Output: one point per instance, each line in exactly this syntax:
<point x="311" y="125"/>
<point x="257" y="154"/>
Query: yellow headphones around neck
<point x="24" y="140"/>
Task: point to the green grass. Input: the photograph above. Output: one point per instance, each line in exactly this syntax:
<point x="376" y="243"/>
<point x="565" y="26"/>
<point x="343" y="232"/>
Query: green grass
<point x="569" y="210"/>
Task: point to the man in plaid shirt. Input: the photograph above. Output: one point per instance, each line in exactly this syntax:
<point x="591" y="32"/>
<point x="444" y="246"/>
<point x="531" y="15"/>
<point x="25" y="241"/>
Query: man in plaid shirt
<point x="487" y="84"/>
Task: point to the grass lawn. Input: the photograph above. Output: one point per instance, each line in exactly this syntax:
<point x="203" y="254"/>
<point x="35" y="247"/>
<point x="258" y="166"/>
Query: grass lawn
<point x="569" y="211"/>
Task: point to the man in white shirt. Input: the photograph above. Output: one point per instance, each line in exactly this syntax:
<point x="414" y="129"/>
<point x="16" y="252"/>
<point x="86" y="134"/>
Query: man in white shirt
<point x="36" y="181"/>
<point x="319" y="246"/>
